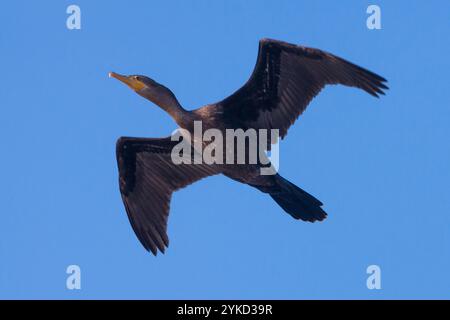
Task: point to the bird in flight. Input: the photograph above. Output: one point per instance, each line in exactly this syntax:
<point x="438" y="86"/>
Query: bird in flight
<point x="284" y="81"/>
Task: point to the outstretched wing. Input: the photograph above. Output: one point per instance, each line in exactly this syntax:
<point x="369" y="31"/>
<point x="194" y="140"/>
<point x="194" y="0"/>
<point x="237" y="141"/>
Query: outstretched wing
<point x="285" y="79"/>
<point x="148" y="177"/>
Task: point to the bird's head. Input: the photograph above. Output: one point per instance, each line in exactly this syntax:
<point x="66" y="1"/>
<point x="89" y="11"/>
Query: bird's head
<point x="147" y="88"/>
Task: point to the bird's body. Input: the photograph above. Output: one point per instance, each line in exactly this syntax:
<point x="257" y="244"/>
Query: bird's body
<point x="285" y="79"/>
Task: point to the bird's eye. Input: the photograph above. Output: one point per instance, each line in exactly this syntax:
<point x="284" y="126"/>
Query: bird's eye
<point x="137" y="78"/>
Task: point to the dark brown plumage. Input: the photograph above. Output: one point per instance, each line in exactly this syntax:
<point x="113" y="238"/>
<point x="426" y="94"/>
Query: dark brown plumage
<point x="285" y="79"/>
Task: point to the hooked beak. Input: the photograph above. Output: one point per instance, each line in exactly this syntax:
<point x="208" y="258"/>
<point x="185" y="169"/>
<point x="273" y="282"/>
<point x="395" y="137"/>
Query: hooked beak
<point x="132" y="82"/>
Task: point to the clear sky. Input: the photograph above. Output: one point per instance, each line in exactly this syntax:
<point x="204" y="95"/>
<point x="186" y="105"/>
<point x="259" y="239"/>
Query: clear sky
<point x="381" y="166"/>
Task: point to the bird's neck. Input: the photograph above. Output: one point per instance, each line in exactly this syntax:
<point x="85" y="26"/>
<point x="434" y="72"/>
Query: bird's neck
<point x="171" y="105"/>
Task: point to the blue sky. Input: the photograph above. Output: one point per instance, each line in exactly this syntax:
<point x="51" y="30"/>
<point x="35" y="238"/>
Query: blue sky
<point x="381" y="167"/>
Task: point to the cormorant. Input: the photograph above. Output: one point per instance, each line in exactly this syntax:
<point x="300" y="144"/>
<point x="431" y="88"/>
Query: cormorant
<point x="284" y="81"/>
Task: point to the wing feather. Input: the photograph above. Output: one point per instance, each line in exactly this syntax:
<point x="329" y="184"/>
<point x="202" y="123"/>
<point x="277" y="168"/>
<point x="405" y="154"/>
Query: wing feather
<point x="285" y="80"/>
<point x="147" y="178"/>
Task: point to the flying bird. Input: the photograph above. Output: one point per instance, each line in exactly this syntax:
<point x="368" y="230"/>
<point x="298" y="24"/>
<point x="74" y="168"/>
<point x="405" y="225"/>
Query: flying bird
<point x="284" y="81"/>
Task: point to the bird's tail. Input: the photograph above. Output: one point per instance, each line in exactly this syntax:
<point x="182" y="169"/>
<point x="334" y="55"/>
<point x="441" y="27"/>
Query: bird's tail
<point x="297" y="202"/>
